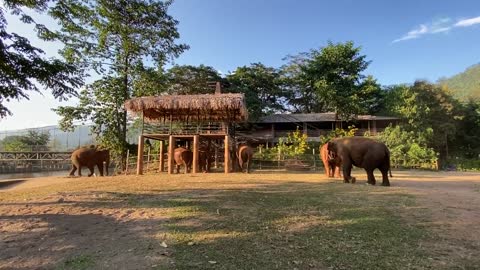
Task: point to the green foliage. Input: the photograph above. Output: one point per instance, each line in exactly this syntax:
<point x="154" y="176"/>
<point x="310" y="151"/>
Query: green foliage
<point x="290" y="147"/>
<point x="466" y="142"/>
<point x="32" y="141"/>
<point x="338" y="133"/>
<point x="465" y="85"/>
<point x="184" y="80"/>
<point x="262" y="87"/>
<point x="116" y="39"/>
<point x="425" y="107"/>
<point x="331" y="79"/>
<point x="407" y="148"/>
<point x="23" y="67"/>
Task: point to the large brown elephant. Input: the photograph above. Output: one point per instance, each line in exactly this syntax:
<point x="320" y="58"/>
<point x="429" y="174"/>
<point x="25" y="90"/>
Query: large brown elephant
<point x="183" y="156"/>
<point x="330" y="162"/>
<point x="364" y="153"/>
<point x="244" y="155"/>
<point x="90" y="157"/>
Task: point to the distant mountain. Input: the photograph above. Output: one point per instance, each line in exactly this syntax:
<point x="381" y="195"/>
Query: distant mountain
<point x="464" y="85"/>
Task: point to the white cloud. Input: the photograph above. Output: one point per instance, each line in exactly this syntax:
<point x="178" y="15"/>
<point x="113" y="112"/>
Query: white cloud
<point x="437" y="26"/>
<point x="468" y="22"/>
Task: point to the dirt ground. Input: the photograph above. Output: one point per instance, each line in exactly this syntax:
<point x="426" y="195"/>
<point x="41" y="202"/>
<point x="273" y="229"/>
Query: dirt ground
<point x="45" y="223"/>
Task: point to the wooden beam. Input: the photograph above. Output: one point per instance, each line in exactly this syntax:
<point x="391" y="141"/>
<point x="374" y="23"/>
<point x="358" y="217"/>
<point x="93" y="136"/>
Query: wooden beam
<point x="161" y="165"/>
<point x="171" y="147"/>
<point x="196" y="146"/>
<point x="226" y="163"/>
<point x="140" y="155"/>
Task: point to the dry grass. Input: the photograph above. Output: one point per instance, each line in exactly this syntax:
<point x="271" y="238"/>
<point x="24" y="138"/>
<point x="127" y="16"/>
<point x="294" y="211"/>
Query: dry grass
<point x="215" y="221"/>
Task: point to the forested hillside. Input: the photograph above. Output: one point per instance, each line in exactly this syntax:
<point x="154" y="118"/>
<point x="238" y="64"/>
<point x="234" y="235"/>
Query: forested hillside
<point x="466" y="84"/>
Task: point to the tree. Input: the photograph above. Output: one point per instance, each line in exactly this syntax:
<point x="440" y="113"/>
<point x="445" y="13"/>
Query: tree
<point x="332" y="78"/>
<point x="184" y="80"/>
<point x="466" y="141"/>
<point x="23" y="67"/>
<point x="262" y="88"/>
<point x="32" y="141"/>
<point x="116" y="39"/>
<point x="427" y="106"/>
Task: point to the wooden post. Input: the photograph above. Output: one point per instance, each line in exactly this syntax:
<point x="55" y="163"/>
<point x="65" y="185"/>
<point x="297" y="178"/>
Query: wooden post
<point x="140" y="156"/>
<point x="161" y="165"/>
<point x="195" y="153"/>
<point x="226" y="163"/>
<point x="314" y="160"/>
<point x="216" y="158"/>
<point x="148" y="158"/>
<point x="126" y="162"/>
<point x="171" y="147"/>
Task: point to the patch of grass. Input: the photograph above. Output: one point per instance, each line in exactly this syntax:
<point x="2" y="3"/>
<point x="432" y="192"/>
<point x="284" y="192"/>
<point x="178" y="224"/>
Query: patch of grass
<point x="80" y="262"/>
<point x="300" y="226"/>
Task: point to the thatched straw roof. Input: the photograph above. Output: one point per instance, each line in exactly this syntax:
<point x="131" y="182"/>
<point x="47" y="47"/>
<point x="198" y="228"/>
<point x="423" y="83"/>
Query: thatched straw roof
<point x="190" y="108"/>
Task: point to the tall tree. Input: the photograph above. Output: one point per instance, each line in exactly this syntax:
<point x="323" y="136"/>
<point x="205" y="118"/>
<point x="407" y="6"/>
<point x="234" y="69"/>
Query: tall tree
<point x="23" y="67"/>
<point x="117" y="39"/>
<point x="189" y="79"/>
<point x="466" y="141"/>
<point x="427" y="106"/>
<point x="332" y="78"/>
<point x="262" y="88"/>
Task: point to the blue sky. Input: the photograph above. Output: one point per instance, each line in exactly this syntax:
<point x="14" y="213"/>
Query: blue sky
<point x="405" y="40"/>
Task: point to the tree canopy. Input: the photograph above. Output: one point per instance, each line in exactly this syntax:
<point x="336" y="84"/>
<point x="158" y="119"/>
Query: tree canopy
<point x="24" y="68"/>
<point x="116" y="39"/>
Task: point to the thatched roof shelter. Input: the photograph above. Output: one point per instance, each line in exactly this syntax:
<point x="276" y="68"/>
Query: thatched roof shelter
<point x="190" y="108"/>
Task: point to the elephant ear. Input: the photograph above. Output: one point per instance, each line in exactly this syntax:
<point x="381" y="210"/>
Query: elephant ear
<point x="332" y="146"/>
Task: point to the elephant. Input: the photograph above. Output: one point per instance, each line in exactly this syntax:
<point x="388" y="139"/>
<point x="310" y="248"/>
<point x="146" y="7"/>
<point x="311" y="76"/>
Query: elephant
<point x="332" y="168"/>
<point x="205" y="159"/>
<point x="244" y="155"/>
<point x="90" y="157"/>
<point x="363" y="153"/>
<point x="183" y="156"/>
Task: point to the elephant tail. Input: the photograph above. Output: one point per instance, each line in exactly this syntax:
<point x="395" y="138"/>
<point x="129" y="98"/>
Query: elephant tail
<point x="388" y="162"/>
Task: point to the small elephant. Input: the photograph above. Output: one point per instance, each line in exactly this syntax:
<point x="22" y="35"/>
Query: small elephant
<point x="363" y="153"/>
<point x="90" y="157"/>
<point x="183" y="156"/>
<point x="331" y="163"/>
<point x="244" y="155"/>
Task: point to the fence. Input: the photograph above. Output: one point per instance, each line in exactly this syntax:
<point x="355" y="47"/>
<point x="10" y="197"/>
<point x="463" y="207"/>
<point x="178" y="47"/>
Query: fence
<point x="306" y="162"/>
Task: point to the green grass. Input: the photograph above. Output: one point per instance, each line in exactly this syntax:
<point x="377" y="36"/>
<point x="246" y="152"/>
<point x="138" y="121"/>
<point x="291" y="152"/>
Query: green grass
<point x="292" y="225"/>
<point x="81" y="262"/>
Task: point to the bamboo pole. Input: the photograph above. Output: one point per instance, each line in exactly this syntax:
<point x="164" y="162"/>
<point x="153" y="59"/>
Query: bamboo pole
<point x="161" y="165"/>
<point x="171" y="144"/>
<point x="140" y="156"/>
<point x="226" y="164"/>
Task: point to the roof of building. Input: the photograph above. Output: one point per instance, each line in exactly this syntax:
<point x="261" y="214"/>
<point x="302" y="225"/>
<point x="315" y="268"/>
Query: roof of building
<point x="315" y="117"/>
<point x="208" y="107"/>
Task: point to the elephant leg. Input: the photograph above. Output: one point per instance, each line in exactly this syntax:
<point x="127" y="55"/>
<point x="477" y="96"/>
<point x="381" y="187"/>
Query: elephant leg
<point x="186" y="167"/>
<point x="371" y="178"/>
<point x="72" y="171"/>
<point x="248" y="165"/>
<point x="385" y="181"/>
<point x="347" y="170"/>
<point x="327" y="168"/>
<point x="336" y="172"/>
<point x="100" y="168"/>
<point x="92" y="169"/>
<point x="105" y="167"/>
<point x="178" y="168"/>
